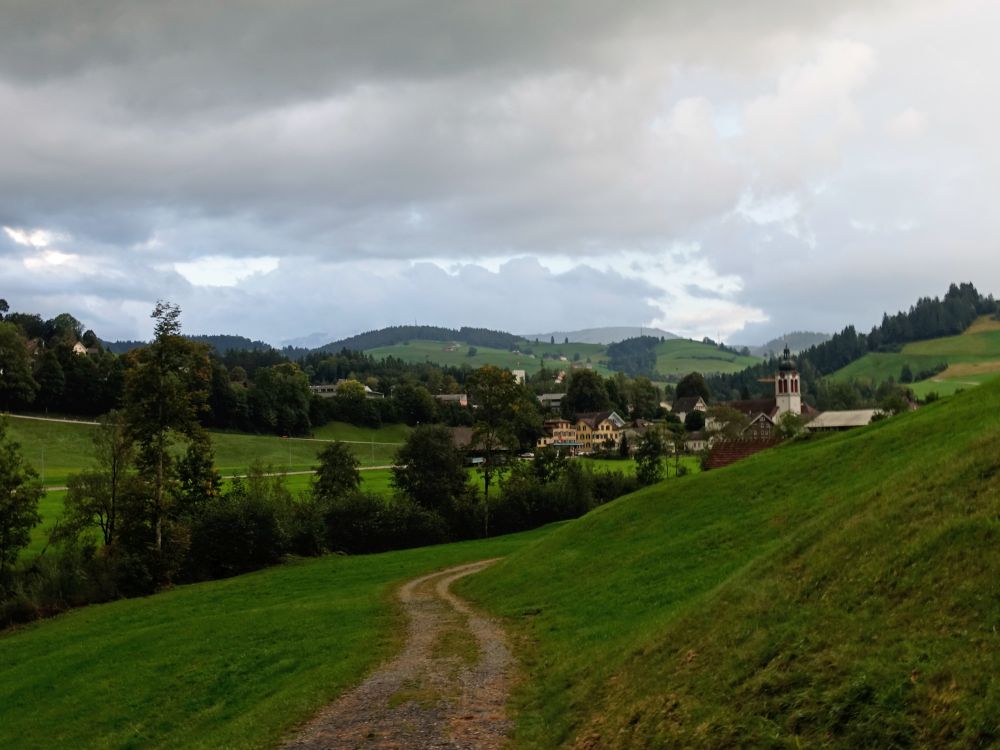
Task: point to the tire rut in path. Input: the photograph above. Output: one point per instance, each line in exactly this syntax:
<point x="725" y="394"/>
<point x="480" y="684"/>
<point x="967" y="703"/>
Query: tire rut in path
<point x="447" y="689"/>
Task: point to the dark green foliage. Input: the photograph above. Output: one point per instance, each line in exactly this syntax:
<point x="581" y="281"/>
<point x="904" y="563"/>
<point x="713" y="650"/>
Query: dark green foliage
<point x="337" y="474"/>
<point x="360" y="523"/>
<point x="906" y="374"/>
<point x="17" y="386"/>
<point x="691" y="385"/>
<point x="280" y="399"/>
<point x="694" y="421"/>
<point x="649" y="455"/>
<point x="634" y="356"/>
<point x="19" y="495"/>
<point x="585" y="392"/>
<point x="429" y="469"/>
<point x="245" y="528"/>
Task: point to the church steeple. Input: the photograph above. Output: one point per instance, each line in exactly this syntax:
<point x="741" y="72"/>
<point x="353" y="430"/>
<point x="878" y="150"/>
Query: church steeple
<point x="786" y="385"/>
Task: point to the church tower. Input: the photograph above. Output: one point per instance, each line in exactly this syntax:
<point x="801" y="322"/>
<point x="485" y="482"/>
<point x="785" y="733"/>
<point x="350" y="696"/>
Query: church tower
<point x="786" y="386"/>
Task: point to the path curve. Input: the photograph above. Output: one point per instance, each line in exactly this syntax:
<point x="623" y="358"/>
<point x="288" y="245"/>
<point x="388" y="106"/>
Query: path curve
<point x="447" y="689"/>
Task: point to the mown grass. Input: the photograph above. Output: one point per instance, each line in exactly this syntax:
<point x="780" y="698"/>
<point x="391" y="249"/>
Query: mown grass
<point x="678" y="357"/>
<point x="235" y="663"/>
<point x="837" y="592"/>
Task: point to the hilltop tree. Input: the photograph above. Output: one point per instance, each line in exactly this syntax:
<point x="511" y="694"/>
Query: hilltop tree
<point x="19" y="496"/>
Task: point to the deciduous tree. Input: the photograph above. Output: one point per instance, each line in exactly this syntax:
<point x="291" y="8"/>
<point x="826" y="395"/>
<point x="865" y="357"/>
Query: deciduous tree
<point x="19" y="495"/>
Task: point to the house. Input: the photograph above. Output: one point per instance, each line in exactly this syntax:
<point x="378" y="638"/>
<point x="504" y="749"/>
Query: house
<point x="696" y="442"/>
<point x="559" y="433"/>
<point x="79" y="348"/>
<point x="462" y="399"/>
<point x="519" y="376"/>
<point x="551" y="401"/>
<point x="597" y="430"/>
<point x="329" y="390"/>
<point x="684" y="406"/>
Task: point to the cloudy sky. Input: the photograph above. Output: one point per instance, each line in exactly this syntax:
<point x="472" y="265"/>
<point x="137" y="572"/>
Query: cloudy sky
<point x="716" y="168"/>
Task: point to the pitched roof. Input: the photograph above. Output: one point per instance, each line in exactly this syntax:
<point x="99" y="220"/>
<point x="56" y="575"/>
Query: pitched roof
<point x="730" y="451"/>
<point x="687" y="404"/>
<point x="594" y="418"/>
<point x="842" y="420"/>
<point x="753" y="406"/>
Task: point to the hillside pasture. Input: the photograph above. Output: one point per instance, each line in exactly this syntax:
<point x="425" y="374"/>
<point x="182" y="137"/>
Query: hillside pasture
<point x="455" y="354"/>
<point x="236" y="663"/>
<point x="832" y="592"/>
<point x="678" y="357"/>
<point x="972" y="358"/>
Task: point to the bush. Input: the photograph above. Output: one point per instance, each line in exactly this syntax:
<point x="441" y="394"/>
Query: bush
<point x="361" y="522"/>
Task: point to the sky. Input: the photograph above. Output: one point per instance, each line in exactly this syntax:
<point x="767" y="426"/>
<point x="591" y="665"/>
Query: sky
<point x="305" y="170"/>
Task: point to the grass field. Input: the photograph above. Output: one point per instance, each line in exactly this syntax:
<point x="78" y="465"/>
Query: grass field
<point x="455" y="354"/>
<point x="972" y="358"/>
<point x="834" y="592"/>
<point x="675" y="358"/>
<point x="678" y="357"/>
<point x="227" y="664"/>
<point x="58" y="449"/>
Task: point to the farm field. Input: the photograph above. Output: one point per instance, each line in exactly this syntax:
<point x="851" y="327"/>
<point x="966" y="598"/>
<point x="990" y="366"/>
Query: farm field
<point x="973" y="357"/>
<point x="234" y="663"/>
<point x="830" y="592"/>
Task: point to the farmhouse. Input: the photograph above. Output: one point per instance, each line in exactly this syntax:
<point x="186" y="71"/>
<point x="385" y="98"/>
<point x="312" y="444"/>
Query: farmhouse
<point x="462" y="399"/>
<point x="559" y="433"/>
<point x="684" y="406"/>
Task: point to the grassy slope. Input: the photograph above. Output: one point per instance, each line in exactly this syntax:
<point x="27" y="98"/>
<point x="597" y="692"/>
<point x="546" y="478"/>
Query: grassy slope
<point x="680" y="356"/>
<point x="974" y="357"/>
<point x="676" y="357"/>
<point x="835" y="592"/>
<point x="436" y="351"/>
<point x="231" y="664"/>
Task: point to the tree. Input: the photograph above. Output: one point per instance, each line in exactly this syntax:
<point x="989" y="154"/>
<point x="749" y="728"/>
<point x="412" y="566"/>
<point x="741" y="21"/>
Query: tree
<point x="649" y="457"/>
<point x="585" y="392"/>
<point x="726" y="423"/>
<point x="694" y="420"/>
<point x="472" y="352"/>
<point x="337" y="475"/>
<point x="166" y="387"/>
<point x="693" y="384"/>
<point x="4" y="307"/>
<point x="789" y="425"/>
<point x="429" y="468"/>
<point x="93" y="497"/>
<point x="416" y="404"/>
<point x="19" y="496"/>
<point x="16" y="382"/>
<point x="493" y="392"/>
<point x="906" y="374"/>
<point x="643" y="398"/>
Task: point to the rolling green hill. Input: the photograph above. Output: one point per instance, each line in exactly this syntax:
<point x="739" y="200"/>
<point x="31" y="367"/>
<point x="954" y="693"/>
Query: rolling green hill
<point x="678" y="357"/>
<point x="836" y="592"/>
<point x="674" y="357"/>
<point x="972" y="358"/>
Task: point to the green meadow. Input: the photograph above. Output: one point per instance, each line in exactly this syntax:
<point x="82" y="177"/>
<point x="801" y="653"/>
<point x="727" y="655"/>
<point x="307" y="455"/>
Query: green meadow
<point x="678" y="357"/>
<point x="456" y="354"/>
<point x="973" y="357"/>
<point x="236" y="663"/>
<point x="840" y="591"/>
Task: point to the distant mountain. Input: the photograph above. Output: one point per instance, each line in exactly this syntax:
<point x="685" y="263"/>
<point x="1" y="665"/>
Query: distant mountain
<point x="309" y="341"/>
<point x="606" y="335"/>
<point x="796" y="342"/>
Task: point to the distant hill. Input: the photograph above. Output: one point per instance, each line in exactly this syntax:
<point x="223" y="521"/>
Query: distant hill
<point x="402" y="334"/>
<point x="221" y="343"/>
<point x="606" y="335"/>
<point x="796" y="342"/>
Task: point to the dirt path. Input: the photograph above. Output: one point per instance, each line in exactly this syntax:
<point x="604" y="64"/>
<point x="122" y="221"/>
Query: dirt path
<point x="448" y="689"/>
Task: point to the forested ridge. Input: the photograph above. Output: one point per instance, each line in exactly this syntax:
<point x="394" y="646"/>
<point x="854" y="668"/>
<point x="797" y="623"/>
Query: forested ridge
<point x="930" y="317"/>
